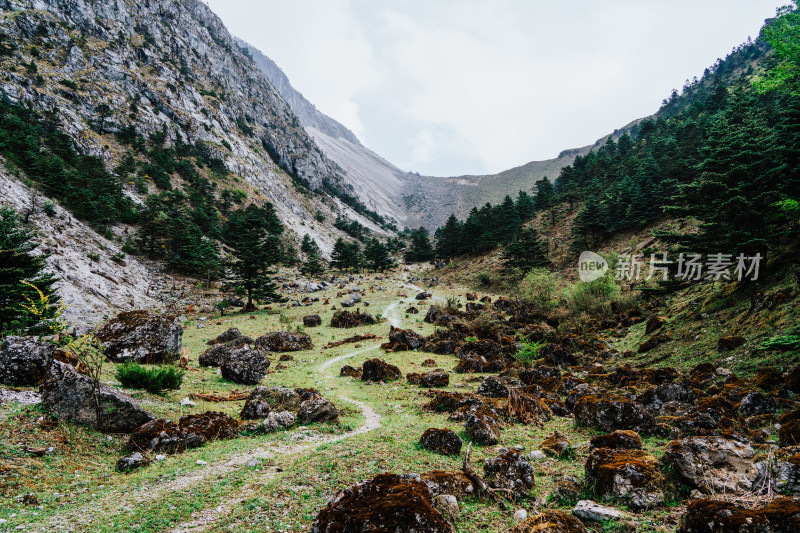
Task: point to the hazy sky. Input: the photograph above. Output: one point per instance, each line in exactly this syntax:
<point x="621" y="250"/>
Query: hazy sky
<point x="451" y="87"/>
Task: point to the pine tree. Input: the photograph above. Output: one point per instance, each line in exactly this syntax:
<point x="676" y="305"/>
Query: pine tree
<point x="313" y="265"/>
<point x="309" y="245"/>
<point x="449" y="239"/>
<point x="18" y="264"/>
<point x="590" y="225"/>
<point x="420" y="249"/>
<point x="376" y="256"/>
<point x="525" y="206"/>
<point x="346" y="255"/>
<point x="253" y="236"/>
<point x="526" y="252"/>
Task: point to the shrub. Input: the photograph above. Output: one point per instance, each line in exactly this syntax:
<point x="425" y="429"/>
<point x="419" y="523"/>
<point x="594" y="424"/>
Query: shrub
<point x="483" y="278"/>
<point x="529" y="352"/>
<point x="539" y="287"/>
<point x="595" y="296"/>
<point x="156" y="379"/>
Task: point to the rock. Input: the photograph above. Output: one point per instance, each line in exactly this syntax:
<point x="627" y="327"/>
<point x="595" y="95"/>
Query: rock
<point x="132" y="462"/>
<point x="277" y="421"/>
<point x="653" y="342"/>
<point x="387" y="503"/>
<point x="510" y="470"/>
<point x="406" y="337"/>
<point x="713" y="464"/>
<point x="473" y="307"/>
<point x="664" y="393"/>
<point x="253" y="463"/>
<point x="448" y="506"/>
<point x="412" y="310"/>
<point x="352" y="300"/>
<point x="349" y="371"/>
<point x="471" y="296"/>
<point x="557" y="354"/>
<point x="436" y="378"/>
<point x="621" y="439"/>
<point x="537" y="455"/>
<point x="436" y="315"/>
<point x="216" y="355"/>
<point x="756" y="403"/>
<point x="246" y="367"/>
<point x="633" y="476"/>
<point x="186" y="402"/>
<point x="429" y="363"/>
<point x="286" y="357"/>
<point x="653" y="323"/>
<point x="229" y="335"/>
<point x="424" y="295"/>
<point x="789" y="432"/>
<point x="208" y="426"/>
<point x="497" y="386"/>
<point x="711" y="516"/>
<point x="731" y="342"/>
<point x="200" y="462"/>
<point x="24" y="361"/>
<point x="284" y="341"/>
<point x="346" y="319"/>
<point x="142" y="337"/>
<point x="317" y="409"/>
<point x="70" y="395"/>
<point x="482" y="427"/>
<point x="566" y="491"/>
<point x="556" y="445"/>
<point x="520" y="515"/>
<point x="160" y="435"/>
<point x="455" y="483"/>
<point x="257" y="405"/>
<point x="608" y="413"/>
<point x="550" y="521"/>
<point x="594" y="512"/>
<point x="376" y="370"/>
<point x="312" y="321"/>
<point x="444" y="441"/>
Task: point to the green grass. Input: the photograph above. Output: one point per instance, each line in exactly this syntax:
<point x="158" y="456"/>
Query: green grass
<point x="157" y="379"/>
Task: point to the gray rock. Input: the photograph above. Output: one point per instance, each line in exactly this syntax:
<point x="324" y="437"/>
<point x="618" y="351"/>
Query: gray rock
<point x="589" y="510"/>
<point x="142" y="337"/>
<point x="448" y="506"/>
<point x="132" y="462"/>
<point x="24" y="361"/>
<point x="317" y="409"/>
<point x="246" y="367"/>
<point x="713" y="464"/>
<point x="512" y="471"/>
<point x="69" y="395"/>
<point x="277" y="421"/>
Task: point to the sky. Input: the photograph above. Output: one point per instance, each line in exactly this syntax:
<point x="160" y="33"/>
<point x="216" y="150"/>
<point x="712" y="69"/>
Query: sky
<point x="454" y="87"/>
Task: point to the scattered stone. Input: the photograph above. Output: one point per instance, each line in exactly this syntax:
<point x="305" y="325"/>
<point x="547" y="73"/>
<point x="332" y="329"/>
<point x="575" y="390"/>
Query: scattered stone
<point x="186" y="402"/>
<point x="387" y="503"/>
<point x="229" y="335"/>
<point x="550" y="521"/>
<point x="453" y="482"/>
<point x="317" y="409"/>
<point x="436" y="378"/>
<point x="253" y="463"/>
<point x="349" y="371"/>
<point x="200" y="462"/>
<point x="711" y="464"/>
<point x="594" y="512"/>
<point x="142" y="337"/>
<point x="510" y="470"/>
<point x="448" y="506"/>
<point x="132" y="461"/>
<point x="70" y="396"/>
<point x="444" y="441"/>
<point x="257" y="405"/>
<point x="652" y="342"/>
<point x="412" y="310"/>
<point x="633" y="476"/>
<point x="497" y="386"/>
<point x="246" y="367"/>
<point x="781" y="515"/>
<point x="429" y="363"/>
<point x="376" y="370"/>
<point x="556" y="445"/>
<point x="286" y="357"/>
<point x="424" y="295"/>
<point x="24" y="361"/>
<point x="537" y="455"/>
<point x="312" y="321"/>
<point x="207" y="427"/>
<point x="653" y="323"/>
<point x="352" y="300"/>
<point x="411" y="340"/>
<point x="756" y="403"/>
<point x="566" y="491"/>
<point x="613" y="412"/>
<point x="520" y="515"/>
<point x="277" y="421"/>
<point x="556" y="354"/>
<point x="284" y="341"/>
<point x="731" y="342"/>
<point x="621" y="439"/>
<point x="346" y="319"/>
<point x="482" y="426"/>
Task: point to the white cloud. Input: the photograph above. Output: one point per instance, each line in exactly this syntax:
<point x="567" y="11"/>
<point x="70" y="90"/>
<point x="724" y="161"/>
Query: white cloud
<point x="464" y="86"/>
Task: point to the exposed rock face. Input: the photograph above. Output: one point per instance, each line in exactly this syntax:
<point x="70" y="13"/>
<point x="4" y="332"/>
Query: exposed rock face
<point x="317" y="408"/>
<point x="312" y="321"/>
<point x="621" y="439"/>
<point x="550" y="521"/>
<point x="377" y="370"/>
<point x="510" y="470"/>
<point x="246" y="367"/>
<point x="142" y="337"/>
<point x="406" y="337"/>
<point x="283" y="341"/>
<point x="386" y="504"/>
<point x="613" y="412"/>
<point x="24" y="361"/>
<point x="277" y="421"/>
<point x="69" y="395"/>
<point x="630" y="475"/>
<point x="347" y="319"/>
<point x="444" y="441"/>
<point x="713" y="464"/>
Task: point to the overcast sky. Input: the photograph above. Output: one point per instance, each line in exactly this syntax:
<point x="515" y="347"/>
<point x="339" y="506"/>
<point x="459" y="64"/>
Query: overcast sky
<point x="451" y="87"/>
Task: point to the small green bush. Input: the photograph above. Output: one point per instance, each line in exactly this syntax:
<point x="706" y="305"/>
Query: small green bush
<point x="156" y="379"/>
<point x="483" y="278"/>
<point x="539" y="287"/>
<point x="529" y="352"/>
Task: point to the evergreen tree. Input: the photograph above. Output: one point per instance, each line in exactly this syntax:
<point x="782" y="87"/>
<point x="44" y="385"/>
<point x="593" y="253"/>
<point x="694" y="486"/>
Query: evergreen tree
<point x="346" y="255"/>
<point x="449" y="237"/>
<point x="525" y="206"/>
<point x="313" y="265"/>
<point x="253" y="236"/>
<point x="309" y="245"/>
<point x="420" y="249"/>
<point x="526" y="252"/>
<point x="376" y="255"/>
<point x="18" y="264"/>
<point x="590" y="225"/>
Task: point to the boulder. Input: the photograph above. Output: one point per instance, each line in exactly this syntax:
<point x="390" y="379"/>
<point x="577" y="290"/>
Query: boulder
<point x="755" y="403"/>
<point x="621" y="439"/>
<point x="352" y="300"/>
<point x="317" y="409"/>
<point x="424" y="295"/>
<point x="411" y="340"/>
<point x="277" y="421"/>
<point x="653" y="323"/>
<point x="347" y="319"/>
<point x="557" y="355"/>
<point x="257" y="405"/>
<point x="447" y="505"/>
<point x="633" y="476"/>
<point x="377" y="370"/>
<point x="24" y="361"/>
<point x="284" y="341"/>
<point x="482" y="426"/>
<point x="349" y="371"/>
<point x="132" y="462"/>
<point x="453" y="482"/>
<point x="429" y="363"/>
<point x="437" y="315"/>
<point x="230" y="335"/>
<point x="787" y="474"/>
<point x="444" y="441"/>
<point x="497" y="386"/>
<point x="608" y="413"/>
<point x="246" y="367"/>
<point x="387" y="503"/>
<point x="160" y="436"/>
<point x="435" y="378"/>
<point x="511" y="471"/>
<point x="594" y="512"/>
<point x="312" y="321"/>
<point x="712" y="516"/>
<point x="217" y="354"/>
<point x="556" y="445"/>
<point x="566" y="491"/>
<point x="722" y="464"/>
<point x="208" y="426"/>
<point x="550" y="521"/>
<point x="664" y="393"/>
<point x="142" y="337"/>
<point x="731" y="342"/>
<point x="70" y="395"/>
<point x="412" y="310"/>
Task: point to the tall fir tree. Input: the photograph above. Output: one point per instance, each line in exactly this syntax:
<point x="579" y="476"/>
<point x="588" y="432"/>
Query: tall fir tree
<point x="525" y="252"/>
<point x="420" y="249"/>
<point x="376" y="256"/>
